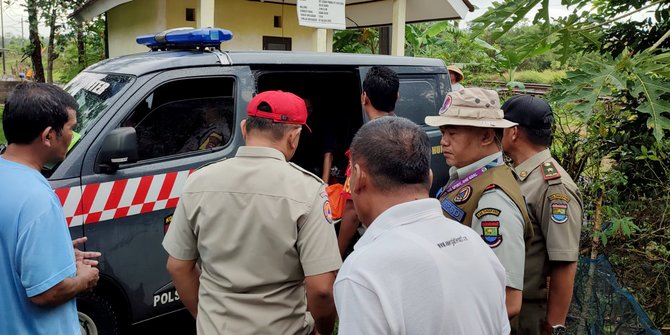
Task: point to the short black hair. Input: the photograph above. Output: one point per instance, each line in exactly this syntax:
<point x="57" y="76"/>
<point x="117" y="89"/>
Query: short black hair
<point x="31" y="108"/>
<point x="276" y="130"/>
<point x="395" y="151"/>
<point x="539" y="137"/>
<point x="381" y="85"/>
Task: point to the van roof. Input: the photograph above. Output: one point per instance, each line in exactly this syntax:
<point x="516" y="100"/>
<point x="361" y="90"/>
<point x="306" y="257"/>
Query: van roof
<point x="142" y="63"/>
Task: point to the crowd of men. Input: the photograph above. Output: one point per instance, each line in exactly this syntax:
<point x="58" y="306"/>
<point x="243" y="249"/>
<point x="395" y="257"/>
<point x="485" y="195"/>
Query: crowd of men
<point x="252" y="245"/>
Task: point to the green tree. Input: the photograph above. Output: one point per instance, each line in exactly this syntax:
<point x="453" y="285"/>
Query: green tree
<point x="614" y="107"/>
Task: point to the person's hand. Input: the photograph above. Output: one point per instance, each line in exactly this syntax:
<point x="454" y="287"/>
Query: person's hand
<point x="88" y="275"/>
<point x="84" y="257"/>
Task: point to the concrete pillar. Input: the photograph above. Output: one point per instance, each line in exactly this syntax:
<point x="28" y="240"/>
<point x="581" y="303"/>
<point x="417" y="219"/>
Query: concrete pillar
<point x="320" y="40"/>
<point x="204" y="13"/>
<point x="398" y="30"/>
<point x="329" y="40"/>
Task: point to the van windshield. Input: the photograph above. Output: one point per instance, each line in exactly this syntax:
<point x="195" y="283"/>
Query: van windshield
<point x="94" y="92"/>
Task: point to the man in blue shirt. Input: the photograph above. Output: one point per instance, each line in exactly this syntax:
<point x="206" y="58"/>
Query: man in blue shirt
<point x="40" y="274"/>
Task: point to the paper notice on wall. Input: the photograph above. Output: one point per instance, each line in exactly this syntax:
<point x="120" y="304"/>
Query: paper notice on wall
<point x="327" y="14"/>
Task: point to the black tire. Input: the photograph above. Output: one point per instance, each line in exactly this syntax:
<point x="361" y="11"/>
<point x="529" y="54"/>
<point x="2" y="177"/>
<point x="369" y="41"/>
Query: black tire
<point x="96" y="315"/>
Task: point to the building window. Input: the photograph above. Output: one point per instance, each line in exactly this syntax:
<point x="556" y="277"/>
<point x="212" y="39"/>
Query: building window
<point x="277" y="22"/>
<point x="190" y="14"/>
<point x="276" y="43"/>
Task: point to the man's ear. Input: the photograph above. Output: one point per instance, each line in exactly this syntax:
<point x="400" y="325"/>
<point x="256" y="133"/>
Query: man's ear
<point x="488" y="136"/>
<point x="430" y="177"/>
<point x="243" y="128"/>
<point x="364" y="98"/>
<point x="514" y="133"/>
<point x="360" y="179"/>
<point x="294" y="138"/>
<point x="47" y="135"/>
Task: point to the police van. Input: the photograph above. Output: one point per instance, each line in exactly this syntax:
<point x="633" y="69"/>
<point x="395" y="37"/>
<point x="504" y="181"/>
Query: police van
<point x="145" y="122"/>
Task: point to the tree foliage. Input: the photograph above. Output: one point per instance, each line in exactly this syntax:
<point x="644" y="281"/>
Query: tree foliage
<point x="614" y="117"/>
<point x="76" y="44"/>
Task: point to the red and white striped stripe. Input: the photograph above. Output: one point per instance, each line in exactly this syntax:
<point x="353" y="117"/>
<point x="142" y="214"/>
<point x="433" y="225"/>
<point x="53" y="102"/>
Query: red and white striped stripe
<point x="93" y="203"/>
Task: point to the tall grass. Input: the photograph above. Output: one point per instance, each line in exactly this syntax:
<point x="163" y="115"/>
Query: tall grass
<point x="535" y="77"/>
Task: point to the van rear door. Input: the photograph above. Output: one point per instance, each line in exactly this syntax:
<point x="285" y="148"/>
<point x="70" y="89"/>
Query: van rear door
<point x="422" y="90"/>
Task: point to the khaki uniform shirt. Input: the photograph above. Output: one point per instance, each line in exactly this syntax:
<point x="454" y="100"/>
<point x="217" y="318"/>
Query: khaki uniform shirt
<point x="555" y="208"/>
<point x="495" y="207"/>
<point x="258" y="225"/>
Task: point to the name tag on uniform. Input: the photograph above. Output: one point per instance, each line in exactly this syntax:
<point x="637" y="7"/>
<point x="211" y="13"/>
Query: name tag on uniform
<point x="453" y="210"/>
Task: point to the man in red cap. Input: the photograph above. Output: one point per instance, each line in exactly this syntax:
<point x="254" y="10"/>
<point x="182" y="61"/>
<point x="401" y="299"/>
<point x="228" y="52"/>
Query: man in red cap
<point x="252" y="235"/>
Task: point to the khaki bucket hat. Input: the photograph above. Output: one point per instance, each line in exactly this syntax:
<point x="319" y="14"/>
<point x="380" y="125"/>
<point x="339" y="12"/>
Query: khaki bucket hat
<point x="457" y="71"/>
<point x="474" y="107"/>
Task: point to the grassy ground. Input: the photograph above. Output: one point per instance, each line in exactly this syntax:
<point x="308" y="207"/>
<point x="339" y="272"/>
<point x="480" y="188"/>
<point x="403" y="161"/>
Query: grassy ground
<point x="544" y="77"/>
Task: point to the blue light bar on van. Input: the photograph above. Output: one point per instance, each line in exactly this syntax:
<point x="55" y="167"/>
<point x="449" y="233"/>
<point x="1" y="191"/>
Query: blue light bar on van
<point x="186" y="38"/>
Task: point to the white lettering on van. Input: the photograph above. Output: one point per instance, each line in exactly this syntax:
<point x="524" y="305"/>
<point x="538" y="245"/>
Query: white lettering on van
<point x="165" y="298"/>
<point x="97" y="87"/>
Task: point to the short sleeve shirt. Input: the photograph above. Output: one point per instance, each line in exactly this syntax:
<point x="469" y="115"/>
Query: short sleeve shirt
<point x="555" y="209"/>
<point x="36" y="254"/>
<point x="258" y="225"/>
<point x="417" y="272"/>
<point x="496" y="210"/>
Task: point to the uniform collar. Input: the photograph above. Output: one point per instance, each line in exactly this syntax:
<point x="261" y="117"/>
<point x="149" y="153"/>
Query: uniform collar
<point x="455" y="174"/>
<point x="263" y="152"/>
<point x="524" y="169"/>
<point x="400" y="215"/>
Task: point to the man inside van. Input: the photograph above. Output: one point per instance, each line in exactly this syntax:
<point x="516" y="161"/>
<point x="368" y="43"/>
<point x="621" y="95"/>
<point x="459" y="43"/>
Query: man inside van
<point x="380" y="93"/>
<point x="40" y="273"/>
<point x="482" y="192"/>
<point x="261" y="229"/>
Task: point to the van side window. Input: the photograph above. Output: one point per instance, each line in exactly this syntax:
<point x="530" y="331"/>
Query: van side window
<point x="418" y="98"/>
<point x="184" y="116"/>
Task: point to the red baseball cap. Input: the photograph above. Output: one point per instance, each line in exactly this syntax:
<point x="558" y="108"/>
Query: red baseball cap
<point x="284" y="107"/>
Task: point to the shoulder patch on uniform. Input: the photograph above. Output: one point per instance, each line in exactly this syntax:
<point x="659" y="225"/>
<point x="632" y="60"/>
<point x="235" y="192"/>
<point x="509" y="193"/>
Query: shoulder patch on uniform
<point x="463" y="195"/>
<point x="452" y="210"/>
<point x="306" y="172"/>
<point x="487" y="211"/>
<point x="559" y="212"/>
<point x="491" y="233"/>
<point x="549" y="171"/>
<point x="327" y="211"/>
<point x="559" y="196"/>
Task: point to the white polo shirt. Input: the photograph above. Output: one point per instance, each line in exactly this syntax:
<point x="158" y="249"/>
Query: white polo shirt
<point x="417" y="272"/>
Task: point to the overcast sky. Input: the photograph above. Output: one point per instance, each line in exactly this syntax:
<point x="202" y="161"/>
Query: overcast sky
<point x="12" y="16"/>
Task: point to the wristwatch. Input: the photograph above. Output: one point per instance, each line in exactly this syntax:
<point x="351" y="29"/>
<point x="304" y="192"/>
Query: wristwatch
<point x="558" y="330"/>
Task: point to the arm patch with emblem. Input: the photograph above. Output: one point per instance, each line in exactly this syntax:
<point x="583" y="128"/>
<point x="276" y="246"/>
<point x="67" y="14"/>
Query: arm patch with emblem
<point x="487" y="211"/>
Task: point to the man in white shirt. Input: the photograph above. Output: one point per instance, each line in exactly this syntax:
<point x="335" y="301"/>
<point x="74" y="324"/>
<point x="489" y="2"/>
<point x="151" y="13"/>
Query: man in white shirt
<point x="414" y="271"/>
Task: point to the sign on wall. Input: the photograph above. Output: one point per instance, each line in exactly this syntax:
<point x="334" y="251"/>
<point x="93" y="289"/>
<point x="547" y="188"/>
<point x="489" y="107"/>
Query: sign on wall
<point x="327" y="14"/>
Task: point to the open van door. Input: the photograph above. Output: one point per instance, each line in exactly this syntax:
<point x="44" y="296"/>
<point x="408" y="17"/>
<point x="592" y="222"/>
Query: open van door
<point x="422" y="90"/>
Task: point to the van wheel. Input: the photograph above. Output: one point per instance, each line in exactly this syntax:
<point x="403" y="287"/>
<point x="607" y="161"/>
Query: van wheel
<point x="96" y="315"/>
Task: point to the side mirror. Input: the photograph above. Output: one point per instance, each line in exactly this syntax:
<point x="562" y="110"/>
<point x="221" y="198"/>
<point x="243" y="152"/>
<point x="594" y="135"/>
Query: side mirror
<point x="119" y="147"/>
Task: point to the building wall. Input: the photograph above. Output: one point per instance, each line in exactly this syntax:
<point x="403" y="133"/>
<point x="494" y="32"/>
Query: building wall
<point x="176" y="13"/>
<point x="248" y="20"/>
<point x="131" y="19"/>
